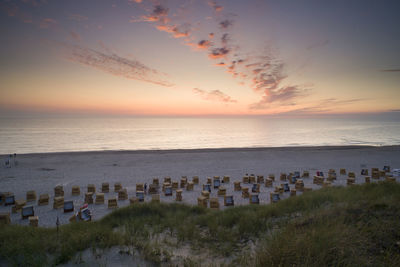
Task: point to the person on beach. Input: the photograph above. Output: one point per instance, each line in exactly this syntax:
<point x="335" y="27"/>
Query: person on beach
<point x="145" y="188"/>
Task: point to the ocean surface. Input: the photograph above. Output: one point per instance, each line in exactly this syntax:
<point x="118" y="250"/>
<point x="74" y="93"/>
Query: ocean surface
<point x="45" y="134"/>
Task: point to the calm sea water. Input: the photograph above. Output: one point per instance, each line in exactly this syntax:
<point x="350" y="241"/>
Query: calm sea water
<point x="31" y="135"/>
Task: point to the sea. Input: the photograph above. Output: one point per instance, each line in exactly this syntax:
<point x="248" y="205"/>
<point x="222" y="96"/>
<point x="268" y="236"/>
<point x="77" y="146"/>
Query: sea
<point x="40" y="134"/>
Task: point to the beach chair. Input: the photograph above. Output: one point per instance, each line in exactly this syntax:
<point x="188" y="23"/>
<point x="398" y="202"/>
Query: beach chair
<point x="43" y="200"/>
<point x="386" y="168"/>
<point x="352" y="175"/>
<point x="190" y="186"/>
<point x="283" y="177"/>
<point x="175" y="185"/>
<point x="89" y="197"/>
<point x="75" y="191"/>
<point x="216" y="182"/>
<point x="299" y="185"/>
<point x="245" y="179"/>
<point x="293" y="192"/>
<point x="278" y="189"/>
<point x="195" y="179"/>
<point x="167" y="179"/>
<point x="209" y="180"/>
<point x="99" y="198"/>
<point x="85" y="215"/>
<point x="221" y="191"/>
<point x="274" y="197"/>
<point x="254" y="199"/>
<point x="237" y="186"/>
<point x="178" y="195"/>
<point x="3" y="196"/>
<point x="306" y="174"/>
<point x="123" y="194"/>
<point x="117" y="187"/>
<point x="139" y="187"/>
<point x="367" y="179"/>
<point x="268" y="182"/>
<point x="140" y="195"/>
<point x="9" y="200"/>
<point x="133" y="200"/>
<point x="228" y="200"/>
<point x="226" y="179"/>
<point x="33" y="221"/>
<point x="183" y="181"/>
<point x="252" y="179"/>
<point x="58" y="202"/>
<point x="245" y="192"/>
<point x="68" y="206"/>
<point x="364" y="172"/>
<point x="318" y="180"/>
<point x="214" y="203"/>
<point x="58" y="191"/>
<point x="5" y="218"/>
<point x="27" y="211"/>
<point x="153" y="189"/>
<point x="205" y="194"/>
<point x="202" y="201"/>
<point x="156" y="182"/>
<point x="155" y="198"/>
<point x="255" y="188"/>
<point x="168" y="191"/>
<point x="91" y="188"/>
<point x="105" y="188"/>
<point x="19" y="204"/>
<point x="260" y="179"/>
<point x="207" y="187"/>
<point x="286" y="187"/>
<point x="351" y="181"/>
<point x="30" y="196"/>
<point x="320" y="173"/>
<point x="271" y="176"/>
<point x="112" y="203"/>
<point x="342" y="171"/>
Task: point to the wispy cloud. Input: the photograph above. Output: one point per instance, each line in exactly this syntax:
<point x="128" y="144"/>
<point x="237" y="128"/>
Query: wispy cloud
<point x="390" y="70"/>
<point x="77" y="17"/>
<point x="265" y="72"/>
<point x="114" y="64"/>
<point x="214" y="95"/>
<point x="75" y="36"/>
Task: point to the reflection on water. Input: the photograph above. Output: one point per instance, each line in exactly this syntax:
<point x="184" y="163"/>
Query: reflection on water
<point x="22" y="135"/>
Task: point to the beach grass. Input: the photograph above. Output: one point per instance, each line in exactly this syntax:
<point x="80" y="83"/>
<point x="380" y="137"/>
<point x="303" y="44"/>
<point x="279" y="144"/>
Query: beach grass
<point x="356" y="225"/>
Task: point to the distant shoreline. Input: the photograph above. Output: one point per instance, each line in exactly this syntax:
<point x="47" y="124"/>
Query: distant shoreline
<point x="207" y="150"/>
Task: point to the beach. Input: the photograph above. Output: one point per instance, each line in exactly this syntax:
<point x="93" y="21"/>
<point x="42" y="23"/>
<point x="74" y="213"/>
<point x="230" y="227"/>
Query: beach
<point x="42" y="172"/>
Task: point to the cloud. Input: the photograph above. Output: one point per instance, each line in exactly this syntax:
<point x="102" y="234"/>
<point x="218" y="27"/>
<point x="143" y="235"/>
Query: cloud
<point x="75" y="36"/>
<point x="218" y="52"/>
<point x="217" y="8"/>
<point x="114" y="64"/>
<point x="47" y="23"/>
<point x="390" y="70"/>
<point x="214" y="95"/>
<point x="225" y="24"/>
<point x="287" y="93"/>
<point x="203" y="44"/>
<point x="318" y="44"/>
<point x="77" y="17"/>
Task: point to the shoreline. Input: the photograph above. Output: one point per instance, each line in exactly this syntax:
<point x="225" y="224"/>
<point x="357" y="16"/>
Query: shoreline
<point x="207" y="150"/>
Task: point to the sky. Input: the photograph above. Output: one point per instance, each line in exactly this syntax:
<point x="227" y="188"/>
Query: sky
<point x="232" y="57"/>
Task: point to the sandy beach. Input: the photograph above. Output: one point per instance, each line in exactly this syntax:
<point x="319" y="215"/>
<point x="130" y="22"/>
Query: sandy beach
<point x="42" y="172"/>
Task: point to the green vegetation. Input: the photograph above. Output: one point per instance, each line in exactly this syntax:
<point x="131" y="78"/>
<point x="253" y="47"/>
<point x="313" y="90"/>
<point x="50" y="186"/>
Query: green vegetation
<point x="357" y="225"/>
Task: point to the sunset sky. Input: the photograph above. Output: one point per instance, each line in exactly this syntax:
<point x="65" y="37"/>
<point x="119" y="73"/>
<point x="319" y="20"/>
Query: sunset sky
<point x="202" y="57"/>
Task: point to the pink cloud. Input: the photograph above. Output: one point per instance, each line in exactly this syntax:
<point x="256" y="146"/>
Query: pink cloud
<point x="214" y="95"/>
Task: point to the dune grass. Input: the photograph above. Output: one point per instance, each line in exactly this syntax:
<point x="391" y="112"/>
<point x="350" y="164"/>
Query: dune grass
<point x="357" y="225"/>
